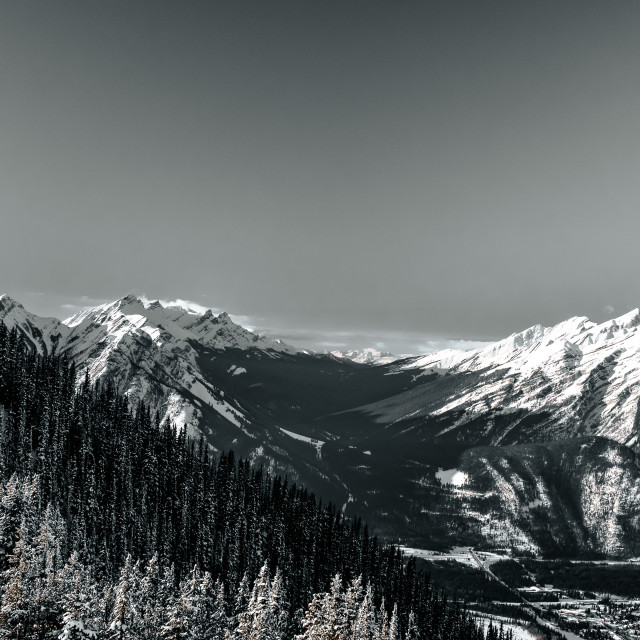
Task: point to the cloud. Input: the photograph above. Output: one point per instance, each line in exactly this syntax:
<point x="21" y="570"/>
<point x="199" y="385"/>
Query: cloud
<point x="608" y="309"/>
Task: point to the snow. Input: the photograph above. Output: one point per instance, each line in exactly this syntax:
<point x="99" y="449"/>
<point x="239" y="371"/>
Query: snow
<point x="550" y="369"/>
<point x="187" y="305"/>
<point x="182" y="319"/>
<point x="108" y="339"/>
<point x="452" y="476"/>
<point x="519" y="632"/>
<point x="366" y="356"/>
<point x="317" y="444"/>
<point x="367" y="453"/>
<point x="344" y="506"/>
<point x="42" y="332"/>
<point x="533" y="504"/>
<point x="153" y="332"/>
<point x="457" y="554"/>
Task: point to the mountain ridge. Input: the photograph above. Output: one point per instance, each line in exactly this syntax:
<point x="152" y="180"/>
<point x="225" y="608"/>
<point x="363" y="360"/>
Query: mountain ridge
<point x="376" y="439"/>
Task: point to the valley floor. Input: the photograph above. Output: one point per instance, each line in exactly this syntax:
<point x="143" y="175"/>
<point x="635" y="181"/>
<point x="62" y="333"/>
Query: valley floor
<point x="522" y="596"/>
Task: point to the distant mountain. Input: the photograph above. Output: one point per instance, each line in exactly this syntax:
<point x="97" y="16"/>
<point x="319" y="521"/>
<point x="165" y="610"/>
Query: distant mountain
<point x="577" y="378"/>
<point x="366" y="356"/>
<point x="43" y="334"/>
<point x="540" y="430"/>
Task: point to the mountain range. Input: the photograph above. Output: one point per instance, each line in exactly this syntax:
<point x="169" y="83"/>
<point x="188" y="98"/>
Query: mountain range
<point x="528" y="443"/>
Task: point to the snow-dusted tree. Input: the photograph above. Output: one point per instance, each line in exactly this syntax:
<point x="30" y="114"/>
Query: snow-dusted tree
<point x="412" y="628"/>
<point x="121" y="615"/>
<point x="181" y="613"/>
<point x="278" y="609"/>
<point x="351" y="603"/>
<point x="383" y="622"/>
<point x="332" y="616"/>
<point x="15" y="613"/>
<point x="366" y="627"/>
<point x="336" y="618"/>
<point x="313" y="622"/>
<point x="241" y="600"/>
<point x="10" y="515"/>
<point x="46" y="562"/>
<point x="253" y="624"/>
<point x="211" y="618"/>
<point x="79" y="599"/>
<point x="394" y="630"/>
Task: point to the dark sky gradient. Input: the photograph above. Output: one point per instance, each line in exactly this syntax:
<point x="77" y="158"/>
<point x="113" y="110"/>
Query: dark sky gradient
<point x="402" y="171"/>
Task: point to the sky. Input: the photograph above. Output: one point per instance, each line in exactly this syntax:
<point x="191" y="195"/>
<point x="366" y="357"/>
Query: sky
<point x="406" y="174"/>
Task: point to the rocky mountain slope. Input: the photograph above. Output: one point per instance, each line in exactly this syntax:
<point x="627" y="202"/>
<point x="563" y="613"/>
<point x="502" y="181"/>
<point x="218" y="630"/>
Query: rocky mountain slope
<point x="577" y="378"/>
<point x="528" y="443"/>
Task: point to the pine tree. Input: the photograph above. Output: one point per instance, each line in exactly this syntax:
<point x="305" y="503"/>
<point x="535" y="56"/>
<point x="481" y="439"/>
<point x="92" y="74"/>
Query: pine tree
<point x="121" y="615"/>
<point x="278" y="610"/>
<point x="412" y="629"/>
<point x="254" y="623"/>
<point x="394" y="631"/>
<point x="79" y="600"/>
<point x="366" y="627"/>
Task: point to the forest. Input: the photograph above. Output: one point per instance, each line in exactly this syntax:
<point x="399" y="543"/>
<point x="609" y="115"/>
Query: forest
<point x="113" y="525"/>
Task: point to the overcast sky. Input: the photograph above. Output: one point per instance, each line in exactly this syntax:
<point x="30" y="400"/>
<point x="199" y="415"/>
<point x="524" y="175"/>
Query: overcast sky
<point x="407" y="173"/>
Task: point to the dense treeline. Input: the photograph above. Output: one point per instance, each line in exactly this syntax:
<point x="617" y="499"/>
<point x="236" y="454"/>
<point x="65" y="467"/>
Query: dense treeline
<point x="93" y="489"/>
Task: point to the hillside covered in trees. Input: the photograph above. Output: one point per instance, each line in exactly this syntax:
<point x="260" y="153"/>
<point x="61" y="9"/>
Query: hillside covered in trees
<point x="113" y="525"/>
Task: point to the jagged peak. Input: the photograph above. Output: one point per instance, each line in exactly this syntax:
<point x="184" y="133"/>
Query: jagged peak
<point x="159" y="319"/>
<point x="628" y="320"/>
<point x="130" y="298"/>
<point x="9" y="303"/>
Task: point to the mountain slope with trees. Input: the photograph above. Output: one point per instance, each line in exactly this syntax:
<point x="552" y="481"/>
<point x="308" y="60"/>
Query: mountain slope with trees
<point x="114" y="526"/>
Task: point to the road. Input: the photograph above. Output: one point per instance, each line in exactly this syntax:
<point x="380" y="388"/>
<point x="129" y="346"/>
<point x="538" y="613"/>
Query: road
<point x="536" y="610"/>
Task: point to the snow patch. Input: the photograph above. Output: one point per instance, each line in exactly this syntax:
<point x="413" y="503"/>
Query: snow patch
<point x="452" y="476"/>
<point x="317" y="444"/>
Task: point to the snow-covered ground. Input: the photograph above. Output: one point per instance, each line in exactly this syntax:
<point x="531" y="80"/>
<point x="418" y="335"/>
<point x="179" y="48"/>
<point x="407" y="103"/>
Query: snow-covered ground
<point x="463" y="555"/>
<point x="519" y="632"/>
<point x="452" y="476"/>
<point x="317" y="444"/>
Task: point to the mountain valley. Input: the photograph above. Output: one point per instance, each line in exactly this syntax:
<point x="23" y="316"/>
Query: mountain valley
<point x="538" y="431"/>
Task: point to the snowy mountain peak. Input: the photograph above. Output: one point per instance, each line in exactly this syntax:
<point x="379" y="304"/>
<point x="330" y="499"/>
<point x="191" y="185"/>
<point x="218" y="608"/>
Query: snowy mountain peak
<point x="153" y="347"/>
<point x="586" y="374"/>
<point x="366" y="356"/>
<point x="7" y="303"/>
<point x="43" y="334"/>
<point x="130" y="298"/>
<point x="179" y="320"/>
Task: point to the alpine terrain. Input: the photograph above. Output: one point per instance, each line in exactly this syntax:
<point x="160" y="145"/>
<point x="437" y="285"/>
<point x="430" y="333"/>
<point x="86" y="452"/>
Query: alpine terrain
<point x="529" y="443"/>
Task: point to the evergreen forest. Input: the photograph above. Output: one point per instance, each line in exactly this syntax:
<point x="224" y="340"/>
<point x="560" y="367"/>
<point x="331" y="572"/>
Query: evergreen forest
<point x="113" y="525"/>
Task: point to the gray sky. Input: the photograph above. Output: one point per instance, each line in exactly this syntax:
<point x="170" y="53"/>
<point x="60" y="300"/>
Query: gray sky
<point x="407" y="173"/>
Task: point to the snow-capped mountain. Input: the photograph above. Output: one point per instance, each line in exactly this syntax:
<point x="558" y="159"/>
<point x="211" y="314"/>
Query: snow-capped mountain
<point x="366" y="356"/>
<point x="585" y="376"/>
<point x="44" y="334"/>
<point x="152" y="351"/>
<point x="542" y="426"/>
<point x="148" y="348"/>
